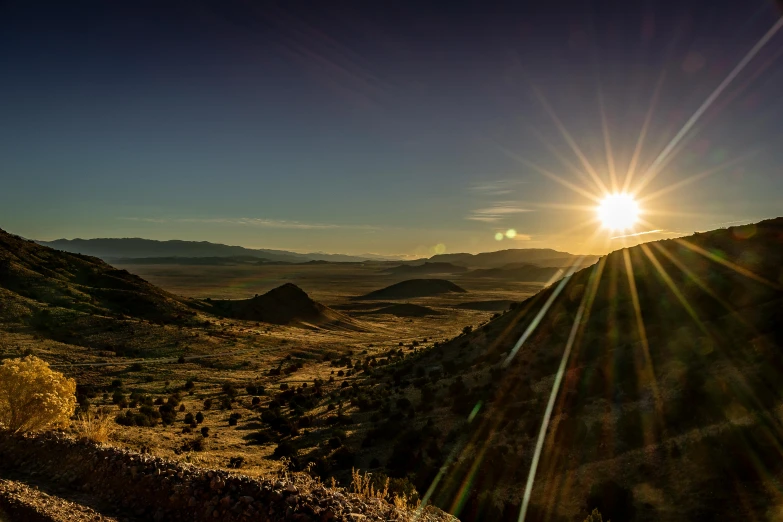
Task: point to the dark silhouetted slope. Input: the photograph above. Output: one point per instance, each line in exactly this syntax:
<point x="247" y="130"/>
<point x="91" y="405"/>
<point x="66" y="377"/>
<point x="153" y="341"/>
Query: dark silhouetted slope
<point x="672" y="386"/>
<point x="414" y="288"/>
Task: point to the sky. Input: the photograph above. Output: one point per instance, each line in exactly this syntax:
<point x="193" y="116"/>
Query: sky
<point x="399" y="128"/>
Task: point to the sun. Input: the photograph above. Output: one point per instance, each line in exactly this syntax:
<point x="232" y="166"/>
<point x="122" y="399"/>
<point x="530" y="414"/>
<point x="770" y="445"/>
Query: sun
<point x="618" y="211"/>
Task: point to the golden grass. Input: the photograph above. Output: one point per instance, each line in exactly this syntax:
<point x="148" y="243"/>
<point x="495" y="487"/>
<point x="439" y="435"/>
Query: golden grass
<point x="362" y="485"/>
<point x="95" y="426"/>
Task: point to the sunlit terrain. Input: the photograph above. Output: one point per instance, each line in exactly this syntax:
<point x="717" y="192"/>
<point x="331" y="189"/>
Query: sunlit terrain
<point x="409" y="262"/>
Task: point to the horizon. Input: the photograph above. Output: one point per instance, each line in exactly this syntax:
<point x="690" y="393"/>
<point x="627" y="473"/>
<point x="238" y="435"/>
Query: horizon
<point x="388" y="131"/>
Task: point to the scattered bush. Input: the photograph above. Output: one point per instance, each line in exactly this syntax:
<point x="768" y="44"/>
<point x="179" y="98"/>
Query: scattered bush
<point x="33" y="396"/>
<point x="238" y="462"/>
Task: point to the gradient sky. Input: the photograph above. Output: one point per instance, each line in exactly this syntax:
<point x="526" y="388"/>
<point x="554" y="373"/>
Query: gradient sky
<point x="385" y="127"/>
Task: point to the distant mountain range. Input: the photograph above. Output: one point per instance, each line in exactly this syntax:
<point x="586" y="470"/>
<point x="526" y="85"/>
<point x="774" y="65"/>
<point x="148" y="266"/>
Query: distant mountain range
<point x="128" y="251"/>
<point x="114" y="249"/>
<point x="534" y="256"/>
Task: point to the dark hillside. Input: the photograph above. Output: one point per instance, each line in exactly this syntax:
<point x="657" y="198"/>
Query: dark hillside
<point x="668" y="404"/>
<point x="37" y="280"/>
<point x="413" y="288"/>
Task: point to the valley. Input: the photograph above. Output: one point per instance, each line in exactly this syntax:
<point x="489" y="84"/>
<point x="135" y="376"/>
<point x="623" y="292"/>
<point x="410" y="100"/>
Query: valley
<point x="430" y="389"/>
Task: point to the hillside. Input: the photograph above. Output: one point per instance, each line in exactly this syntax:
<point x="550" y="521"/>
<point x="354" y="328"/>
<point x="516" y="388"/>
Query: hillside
<point x="35" y="279"/>
<point x="287" y="304"/>
<point x="426" y="269"/>
<point x="116" y="248"/>
<point x="671" y="413"/>
<point x="535" y="256"/>
<point x="519" y="272"/>
<point x="413" y="288"/>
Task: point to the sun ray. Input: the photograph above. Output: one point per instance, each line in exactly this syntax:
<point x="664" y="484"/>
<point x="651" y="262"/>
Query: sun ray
<point x="551" y="175"/>
<point x="585" y="303"/>
<point x="556" y="153"/>
<point x="698" y="282"/>
<point x="640" y="327"/>
<point x="696" y="177"/>
<point x="570" y="140"/>
<point x="728" y="264"/>
<point x="643" y="133"/>
<point x="656" y="165"/>
<point x="673" y="287"/>
<point x="607" y="140"/>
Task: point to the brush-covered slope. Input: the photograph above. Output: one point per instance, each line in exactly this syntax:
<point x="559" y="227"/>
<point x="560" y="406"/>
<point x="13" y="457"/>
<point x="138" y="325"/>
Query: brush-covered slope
<point x="35" y="278"/>
<point x="286" y="304"/>
<point x="413" y="288"/>
<point x="668" y="406"/>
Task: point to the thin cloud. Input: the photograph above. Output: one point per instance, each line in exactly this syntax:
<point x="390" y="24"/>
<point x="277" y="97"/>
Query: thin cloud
<point x="495" y="213"/>
<point x="657" y="231"/>
<point x="523" y="237"/>
<point x="258" y="222"/>
<point x="495" y="188"/>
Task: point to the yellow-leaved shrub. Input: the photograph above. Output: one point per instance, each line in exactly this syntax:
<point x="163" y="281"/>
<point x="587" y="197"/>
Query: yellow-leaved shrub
<point x="33" y="396"/>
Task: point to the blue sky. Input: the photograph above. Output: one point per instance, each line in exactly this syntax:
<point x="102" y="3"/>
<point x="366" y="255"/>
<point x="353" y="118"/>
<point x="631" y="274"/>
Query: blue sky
<point x="399" y="128"/>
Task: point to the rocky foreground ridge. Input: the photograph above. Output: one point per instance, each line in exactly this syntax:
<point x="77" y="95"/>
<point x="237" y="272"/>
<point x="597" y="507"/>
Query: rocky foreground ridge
<point x="145" y="487"/>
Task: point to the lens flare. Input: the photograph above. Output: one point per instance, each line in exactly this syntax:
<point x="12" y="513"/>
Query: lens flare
<point x="618" y="211"/>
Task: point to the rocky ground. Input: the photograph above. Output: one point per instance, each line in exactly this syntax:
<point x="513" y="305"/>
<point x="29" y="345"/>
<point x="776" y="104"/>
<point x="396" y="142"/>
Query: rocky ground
<point x="20" y="501"/>
<point x="85" y="481"/>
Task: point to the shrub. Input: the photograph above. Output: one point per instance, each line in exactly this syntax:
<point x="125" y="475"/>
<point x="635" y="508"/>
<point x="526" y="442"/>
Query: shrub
<point x="284" y="449"/>
<point x="33" y="396"/>
<point x="229" y="390"/>
<point x="189" y="384"/>
<point x="205" y="431"/>
<point x="189" y="418"/>
<point x="117" y="397"/>
<point x="199" y="417"/>
<point x="207" y="404"/>
<point x="237" y="462"/>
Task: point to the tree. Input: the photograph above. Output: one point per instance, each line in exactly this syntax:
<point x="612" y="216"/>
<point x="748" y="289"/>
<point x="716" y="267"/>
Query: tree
<point x="33" y="396"/>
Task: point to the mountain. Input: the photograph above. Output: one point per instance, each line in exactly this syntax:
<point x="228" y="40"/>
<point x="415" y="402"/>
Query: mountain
<point x="414" y="288"/>
<point x="116" y="248"/>
<point x="286" y="304"/>
<point x="202" y="261"/>
<point x="35" y="278"/>
<point x="426" y="269"/>
<point x="669" y="359"/>
<point x="519" y="272"/>
<point x="536" y="256"/>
